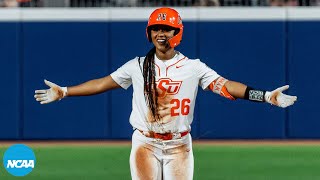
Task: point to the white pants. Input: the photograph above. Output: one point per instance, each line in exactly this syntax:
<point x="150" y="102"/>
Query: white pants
<point x="152" y="159"/>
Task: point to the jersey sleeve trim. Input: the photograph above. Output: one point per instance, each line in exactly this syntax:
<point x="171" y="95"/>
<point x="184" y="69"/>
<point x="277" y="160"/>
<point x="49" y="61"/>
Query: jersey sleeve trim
<point x="207" y="83"/>
<point x="118" y="81"/>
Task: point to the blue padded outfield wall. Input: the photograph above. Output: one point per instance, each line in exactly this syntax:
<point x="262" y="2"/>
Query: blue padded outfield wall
<point x="263" y="48"/>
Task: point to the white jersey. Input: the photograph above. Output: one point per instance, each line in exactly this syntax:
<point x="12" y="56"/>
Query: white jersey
<point x="177" y="82"/>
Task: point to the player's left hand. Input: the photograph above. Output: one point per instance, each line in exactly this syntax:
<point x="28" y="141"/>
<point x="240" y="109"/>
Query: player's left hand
<point x="276" y="97"/>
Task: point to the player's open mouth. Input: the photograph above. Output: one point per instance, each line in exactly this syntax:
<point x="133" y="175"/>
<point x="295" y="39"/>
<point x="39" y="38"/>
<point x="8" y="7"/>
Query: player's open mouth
<point x="161" y="41"/>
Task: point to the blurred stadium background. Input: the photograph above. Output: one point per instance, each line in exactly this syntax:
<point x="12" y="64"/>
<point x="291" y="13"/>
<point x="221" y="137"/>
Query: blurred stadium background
<point x="153" y="3"/>
<point x="264" y="43"/>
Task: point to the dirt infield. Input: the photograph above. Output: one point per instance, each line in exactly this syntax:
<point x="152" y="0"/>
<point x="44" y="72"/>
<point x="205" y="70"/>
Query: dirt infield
<point x="128" y="143"/>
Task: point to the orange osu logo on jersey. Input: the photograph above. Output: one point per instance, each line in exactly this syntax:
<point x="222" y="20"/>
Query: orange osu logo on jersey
<point x="166" y="86"/>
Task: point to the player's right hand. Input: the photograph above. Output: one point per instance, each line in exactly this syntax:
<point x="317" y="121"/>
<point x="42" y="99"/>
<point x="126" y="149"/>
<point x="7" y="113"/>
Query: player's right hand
<point x="45" y="96"/>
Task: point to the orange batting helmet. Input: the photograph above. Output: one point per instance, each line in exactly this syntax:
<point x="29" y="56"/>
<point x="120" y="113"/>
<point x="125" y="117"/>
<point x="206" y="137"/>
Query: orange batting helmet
<point x="169" y="17"/>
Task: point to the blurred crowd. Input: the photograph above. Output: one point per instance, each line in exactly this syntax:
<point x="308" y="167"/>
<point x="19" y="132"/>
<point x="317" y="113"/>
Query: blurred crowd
<point x="150" y="3"/>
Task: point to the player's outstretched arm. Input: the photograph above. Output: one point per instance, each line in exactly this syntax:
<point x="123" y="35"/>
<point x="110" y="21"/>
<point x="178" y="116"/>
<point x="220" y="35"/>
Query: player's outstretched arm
<point x="55" y="92"/>
<point x="275" y="97"/>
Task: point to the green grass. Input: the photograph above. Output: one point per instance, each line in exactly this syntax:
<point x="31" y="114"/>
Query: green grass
<point x="211" y="163"/>
<point x="257" y="162"/>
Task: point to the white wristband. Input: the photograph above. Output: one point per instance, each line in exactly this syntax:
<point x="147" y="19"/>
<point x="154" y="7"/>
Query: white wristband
<point x="65" y="91"/>
<point x="267" y="97"/>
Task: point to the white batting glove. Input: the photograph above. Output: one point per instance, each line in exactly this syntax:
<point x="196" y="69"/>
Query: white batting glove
<point x="55" y="93"/>
<point x="276" y="97"/>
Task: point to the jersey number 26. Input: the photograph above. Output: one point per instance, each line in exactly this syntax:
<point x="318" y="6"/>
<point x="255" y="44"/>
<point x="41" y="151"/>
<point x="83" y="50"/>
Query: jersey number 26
<point x="178" y="107"/>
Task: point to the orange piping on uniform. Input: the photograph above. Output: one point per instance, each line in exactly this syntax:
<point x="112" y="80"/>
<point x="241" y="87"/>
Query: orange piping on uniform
<point x="158" y="68"/>
<point x="173" y="64"/>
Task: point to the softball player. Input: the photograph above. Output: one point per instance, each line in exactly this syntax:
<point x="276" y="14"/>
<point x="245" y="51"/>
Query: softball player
<point x="165" y="84"/>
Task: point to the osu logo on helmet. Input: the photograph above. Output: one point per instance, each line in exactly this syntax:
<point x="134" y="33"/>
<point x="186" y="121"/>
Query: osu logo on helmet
<point x="169" y="17"/>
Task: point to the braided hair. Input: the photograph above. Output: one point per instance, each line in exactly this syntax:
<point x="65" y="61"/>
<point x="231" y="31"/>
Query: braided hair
<point x="150" y="86"/>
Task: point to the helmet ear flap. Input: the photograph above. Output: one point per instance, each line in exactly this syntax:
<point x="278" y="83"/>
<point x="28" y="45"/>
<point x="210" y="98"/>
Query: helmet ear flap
<point x="176" y="39"/>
